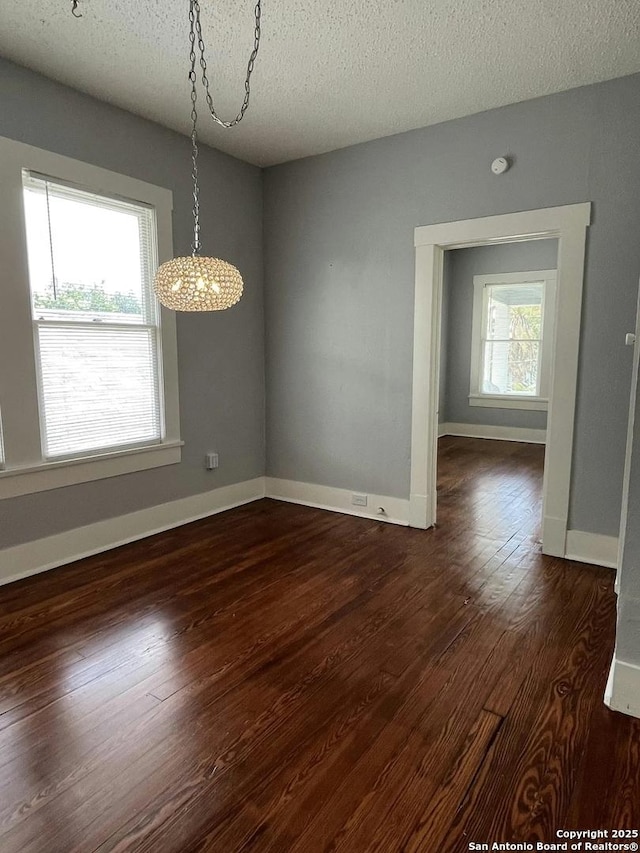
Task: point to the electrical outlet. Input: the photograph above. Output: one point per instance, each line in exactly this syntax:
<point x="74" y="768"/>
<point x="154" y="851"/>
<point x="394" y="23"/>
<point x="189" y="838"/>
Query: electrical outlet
<point x="359" y="500"/>
<point x="211" y="461"/>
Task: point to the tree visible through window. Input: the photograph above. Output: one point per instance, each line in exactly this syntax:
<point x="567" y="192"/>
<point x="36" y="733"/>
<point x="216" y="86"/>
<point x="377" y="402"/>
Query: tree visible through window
<point x="76" y="296"/>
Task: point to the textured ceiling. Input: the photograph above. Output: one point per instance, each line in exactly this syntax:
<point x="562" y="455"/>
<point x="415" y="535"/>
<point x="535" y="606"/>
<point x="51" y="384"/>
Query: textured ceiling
<point x="330" y="73"/>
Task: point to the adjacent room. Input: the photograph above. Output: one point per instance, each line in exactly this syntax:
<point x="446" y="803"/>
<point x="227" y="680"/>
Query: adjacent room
<point x="319" y="456"/>
<point x="496" y="328"/>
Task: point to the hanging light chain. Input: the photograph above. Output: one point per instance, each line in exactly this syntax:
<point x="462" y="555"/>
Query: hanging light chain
<point x="194" y="18"/>
<point x="195" y="246"/>
<point x="195" y="9"/>
<point x="195" y="34"/>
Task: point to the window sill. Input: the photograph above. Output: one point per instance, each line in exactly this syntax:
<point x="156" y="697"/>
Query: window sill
<point x="43" y="476"/>
<point x="503" y="402"/>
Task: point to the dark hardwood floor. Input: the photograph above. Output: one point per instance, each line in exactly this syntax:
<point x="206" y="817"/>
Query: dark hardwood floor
<point x="279" y="678"/>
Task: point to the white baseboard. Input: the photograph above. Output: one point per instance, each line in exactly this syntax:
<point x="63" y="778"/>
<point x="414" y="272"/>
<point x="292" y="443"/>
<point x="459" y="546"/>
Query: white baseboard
<point x="592" y="548"/>
<point x="554" y="536"/>
<point x="500" y="433"/>
<point x="623" y="688"/>
<point x="396" y="510"/>
<point x="21" y="561"/>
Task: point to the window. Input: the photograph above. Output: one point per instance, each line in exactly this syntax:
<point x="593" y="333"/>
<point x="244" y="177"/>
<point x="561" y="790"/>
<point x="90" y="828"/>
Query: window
<point x="512" y="339"/>
<point x="90" y="389"/>
<point x="95" y="319"/>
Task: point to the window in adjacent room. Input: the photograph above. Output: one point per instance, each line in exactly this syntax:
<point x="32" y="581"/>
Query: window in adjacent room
<point x="512" y="339"/>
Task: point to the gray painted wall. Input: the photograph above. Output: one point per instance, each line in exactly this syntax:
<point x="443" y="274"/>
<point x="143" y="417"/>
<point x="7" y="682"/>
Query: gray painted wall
<point x="455" y="358"/>
<point x="338" y="234"/>
<point x="340" y="278"/>
<point x="221" y="356"/>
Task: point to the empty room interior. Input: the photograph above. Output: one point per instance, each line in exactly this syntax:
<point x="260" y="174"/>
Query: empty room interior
<point x="495" y="367"/>
<point x="319" y="467"/>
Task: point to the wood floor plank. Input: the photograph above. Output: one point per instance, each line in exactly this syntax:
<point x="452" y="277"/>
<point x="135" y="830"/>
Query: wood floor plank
<point x="321" y="739"/>
<point x="279" y="678"/>
<point x="432" y="827"/>
<point x="157" y="746"/>
<point x="611" y="759"/>
<point x="525" y="789"/>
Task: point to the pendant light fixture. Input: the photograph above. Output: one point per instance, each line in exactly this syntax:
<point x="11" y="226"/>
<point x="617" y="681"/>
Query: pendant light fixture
<point x="194" y="282"/>
<point x="197" y="283"/>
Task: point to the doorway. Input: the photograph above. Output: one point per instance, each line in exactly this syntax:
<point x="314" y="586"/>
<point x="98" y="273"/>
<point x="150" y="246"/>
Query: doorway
<point x="568" y="226"/>
<point x="496" y="331"/>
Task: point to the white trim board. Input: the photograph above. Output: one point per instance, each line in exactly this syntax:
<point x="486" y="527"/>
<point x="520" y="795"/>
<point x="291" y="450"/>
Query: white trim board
<point x="629" y="447"/>
<point x="396" y="510"/>
<point x="623" y="688"/>
<point x="568" y="225"/>
<point x="506" y="227"/>
<point x="55" y="475"/>
<point x="485" y="401"/>
<point x="499" y="433"/>
<point x="592" y="548"/>
<point x="21" y="561"/>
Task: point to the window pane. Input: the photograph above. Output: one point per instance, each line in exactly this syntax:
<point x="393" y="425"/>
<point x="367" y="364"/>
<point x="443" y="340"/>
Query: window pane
<point x="88" y="256"/>
<point x="510" y="367"/>
<point x="99" y="387"/>
<point x="514" y="312"/>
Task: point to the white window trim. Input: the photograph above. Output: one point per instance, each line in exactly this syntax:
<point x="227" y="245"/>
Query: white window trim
<point x="504" y="401"/>
<point x="25" y="471"/>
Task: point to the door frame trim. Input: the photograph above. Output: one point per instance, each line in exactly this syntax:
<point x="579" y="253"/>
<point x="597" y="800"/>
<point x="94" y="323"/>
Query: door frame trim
<point x="568" y="225"/>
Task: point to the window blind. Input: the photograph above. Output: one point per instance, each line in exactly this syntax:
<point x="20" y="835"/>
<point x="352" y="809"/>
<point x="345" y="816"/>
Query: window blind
<point x="98" y="387"/>
<point x="91" y="260"/>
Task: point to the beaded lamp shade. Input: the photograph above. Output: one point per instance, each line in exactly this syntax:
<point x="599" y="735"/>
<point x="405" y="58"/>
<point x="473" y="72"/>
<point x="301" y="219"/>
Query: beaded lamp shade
<point x="197" y="284"/>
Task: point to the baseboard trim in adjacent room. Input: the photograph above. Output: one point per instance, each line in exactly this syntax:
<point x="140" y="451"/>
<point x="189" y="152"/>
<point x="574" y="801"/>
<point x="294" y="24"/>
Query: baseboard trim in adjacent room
<point x="396" y="510"/>
<point x="499" y="433"/>
<point x="592" y="548"/>
<point x="623" y="688"/>
<point x="21" y="561"/>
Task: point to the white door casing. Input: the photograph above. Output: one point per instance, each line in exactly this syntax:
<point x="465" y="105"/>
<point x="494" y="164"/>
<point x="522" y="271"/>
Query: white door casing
<point x="629" y="446"/>
<point x="568" y="225"/>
